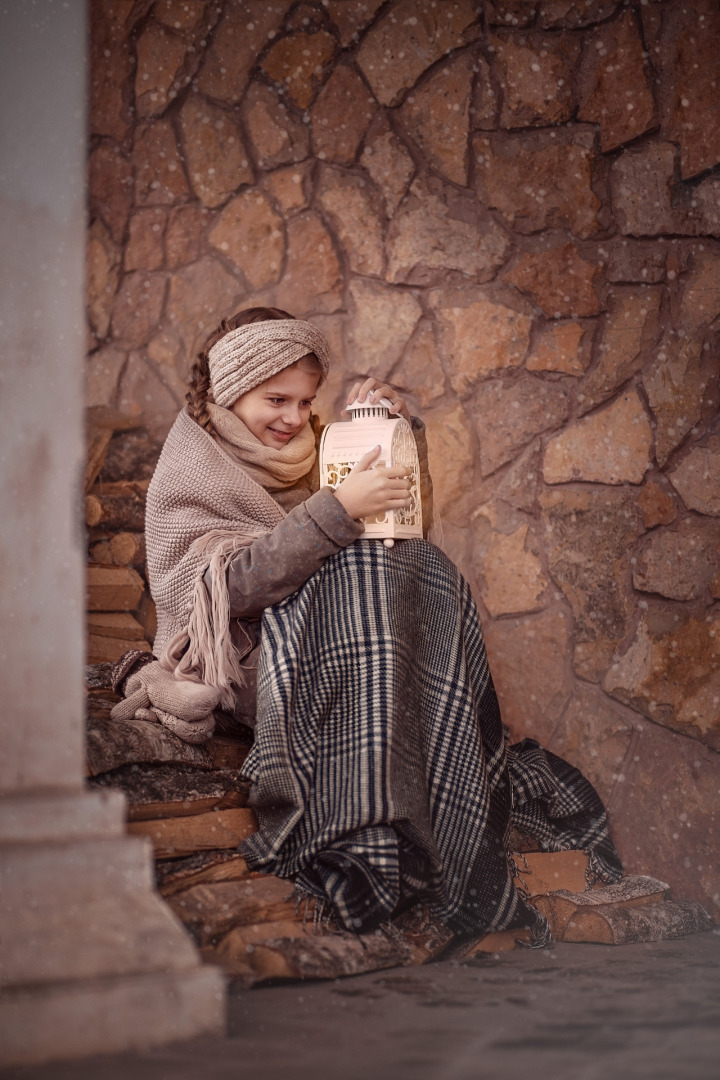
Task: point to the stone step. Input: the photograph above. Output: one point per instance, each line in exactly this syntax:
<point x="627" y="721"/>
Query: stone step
<point x="86" y="910"/>
<point x="111" y="1014"/>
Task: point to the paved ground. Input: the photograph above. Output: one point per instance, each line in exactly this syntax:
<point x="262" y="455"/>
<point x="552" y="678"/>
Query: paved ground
<point x="573" y="1012"/>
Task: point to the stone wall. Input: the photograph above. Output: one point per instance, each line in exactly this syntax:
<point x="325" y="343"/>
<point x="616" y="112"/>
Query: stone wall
<point x="512" y="211"/>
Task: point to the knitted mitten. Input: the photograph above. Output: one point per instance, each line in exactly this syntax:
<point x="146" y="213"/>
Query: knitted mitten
<point x="154" y="687"/>
<point x="196" y="731"/>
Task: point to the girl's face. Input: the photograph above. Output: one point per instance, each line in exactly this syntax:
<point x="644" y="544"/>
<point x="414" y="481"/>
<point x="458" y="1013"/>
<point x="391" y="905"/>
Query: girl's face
<point x="278" y="408"/>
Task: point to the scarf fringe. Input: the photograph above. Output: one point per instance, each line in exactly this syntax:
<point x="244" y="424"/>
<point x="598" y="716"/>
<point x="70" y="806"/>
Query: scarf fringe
<point x="204" y="651"/>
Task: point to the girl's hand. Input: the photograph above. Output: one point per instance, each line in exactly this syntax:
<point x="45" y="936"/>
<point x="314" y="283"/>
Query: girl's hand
<point x="366" y="492"/>
<point x="373" y="390"/>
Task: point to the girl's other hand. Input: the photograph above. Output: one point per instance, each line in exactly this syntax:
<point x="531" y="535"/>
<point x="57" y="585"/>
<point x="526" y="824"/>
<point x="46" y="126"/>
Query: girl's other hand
<point x="367" y="491"/>
<point x="372" y="390"/>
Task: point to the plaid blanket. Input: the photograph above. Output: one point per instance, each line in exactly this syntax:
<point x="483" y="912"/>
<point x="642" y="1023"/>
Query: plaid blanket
<point x="380" y="772"/>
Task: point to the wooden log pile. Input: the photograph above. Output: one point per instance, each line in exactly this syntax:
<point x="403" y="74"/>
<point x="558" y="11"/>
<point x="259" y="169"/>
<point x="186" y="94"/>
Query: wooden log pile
<point x="192" y="806"/>
<point x="119" y="463"/>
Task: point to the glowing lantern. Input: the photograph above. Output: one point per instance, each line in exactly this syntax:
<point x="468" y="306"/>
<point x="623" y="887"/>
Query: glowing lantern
<point x="344" y="443"/>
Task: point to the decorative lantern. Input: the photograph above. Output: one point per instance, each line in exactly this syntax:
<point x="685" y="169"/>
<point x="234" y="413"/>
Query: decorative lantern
<point x="344" y="443"/>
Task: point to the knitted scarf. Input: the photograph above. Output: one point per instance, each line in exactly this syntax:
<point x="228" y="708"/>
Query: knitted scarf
<point x="203" y="506"/>
<point x="278" y="470"/>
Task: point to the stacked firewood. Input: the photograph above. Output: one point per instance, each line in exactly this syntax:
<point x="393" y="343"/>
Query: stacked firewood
<point x="191" y="804"/>
<point x="119" y="463"/>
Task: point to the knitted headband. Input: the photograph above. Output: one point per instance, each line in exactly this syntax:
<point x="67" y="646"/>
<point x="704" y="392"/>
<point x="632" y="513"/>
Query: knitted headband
<point x="248" y="356"/>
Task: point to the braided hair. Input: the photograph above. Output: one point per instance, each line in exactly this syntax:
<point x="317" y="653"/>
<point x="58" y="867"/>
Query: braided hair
<point x="199" y="392"/>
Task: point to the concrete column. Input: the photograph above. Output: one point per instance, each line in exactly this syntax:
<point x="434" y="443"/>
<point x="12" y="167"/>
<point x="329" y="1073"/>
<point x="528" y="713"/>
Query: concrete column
<point x="91" y="958"/>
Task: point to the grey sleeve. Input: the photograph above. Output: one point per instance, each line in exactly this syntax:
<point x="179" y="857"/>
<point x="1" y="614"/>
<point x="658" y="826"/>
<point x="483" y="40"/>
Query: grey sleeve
<point x="277" y="564"/>
<point x="426" y="487"/>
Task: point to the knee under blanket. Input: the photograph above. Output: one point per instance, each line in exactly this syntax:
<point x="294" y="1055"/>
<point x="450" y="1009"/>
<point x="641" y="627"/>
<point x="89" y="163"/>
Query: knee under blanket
<point x="380" y="771"/>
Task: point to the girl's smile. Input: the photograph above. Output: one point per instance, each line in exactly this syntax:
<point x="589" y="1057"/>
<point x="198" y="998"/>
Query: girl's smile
<point x="277" y="409"/>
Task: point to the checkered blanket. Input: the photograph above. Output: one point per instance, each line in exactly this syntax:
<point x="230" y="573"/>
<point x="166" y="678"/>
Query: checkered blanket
<point x="380" y="772"/>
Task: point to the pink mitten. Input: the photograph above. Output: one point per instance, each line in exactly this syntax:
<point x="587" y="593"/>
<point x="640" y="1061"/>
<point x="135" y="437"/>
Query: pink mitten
<point x="187" y="703"/>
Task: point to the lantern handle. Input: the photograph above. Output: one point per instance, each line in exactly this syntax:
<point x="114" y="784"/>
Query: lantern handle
<point x="383" y="403"/>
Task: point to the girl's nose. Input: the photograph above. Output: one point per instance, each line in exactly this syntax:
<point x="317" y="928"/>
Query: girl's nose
<point x="291" y="415"/>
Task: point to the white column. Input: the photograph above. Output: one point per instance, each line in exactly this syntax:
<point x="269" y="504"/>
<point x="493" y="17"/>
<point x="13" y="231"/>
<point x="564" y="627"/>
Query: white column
<point x="91" y="959"/>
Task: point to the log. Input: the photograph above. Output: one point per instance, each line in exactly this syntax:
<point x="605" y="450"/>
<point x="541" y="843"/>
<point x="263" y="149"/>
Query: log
<point x="103" y="417"/>
<point x="115" y="624"/>
<point x="128" y="549"/>
<point x="173" y="790"/>
<point x="498" y="942"/>
<point x="101" y="423"/>
<point x="202" y="868"/>
<point x="186" y="807"/>
<point x="102" y="648"/>
<point x="113" y="588"/>
<point x="227" y="752"/>
<point x="101" y="553"/>
<point x="615" y="925"/>
<point x="121" y="487"/>
<point x="96" y="446"/>
<point x="547" y="871"/>
<point x="633" y="891"/>
<point x="232" y="953"/>
<point x="147" y="617"/>
<point x="97" y="676"/>
<point x="313" y="956"/>
<point x="131" y="455"/>
<point x="217" y="830"/>
<point x="424" y="933"/>
<point x="210" y="911"/>
<point x="110" y="510"/>
<point x="111" y="743"/>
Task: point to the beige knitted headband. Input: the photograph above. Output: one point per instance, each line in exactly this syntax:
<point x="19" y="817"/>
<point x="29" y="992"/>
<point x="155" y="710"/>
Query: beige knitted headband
<point x="248" y="356"/>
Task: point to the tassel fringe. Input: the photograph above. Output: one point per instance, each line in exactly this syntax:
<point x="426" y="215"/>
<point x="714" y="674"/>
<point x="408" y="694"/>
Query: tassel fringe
<point x="204" y="651"/>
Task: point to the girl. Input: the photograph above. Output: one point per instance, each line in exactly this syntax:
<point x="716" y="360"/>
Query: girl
<point x="380" y="772"/>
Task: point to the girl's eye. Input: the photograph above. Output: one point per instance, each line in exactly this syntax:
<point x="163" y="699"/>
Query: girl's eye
<point x="277" y="400"/>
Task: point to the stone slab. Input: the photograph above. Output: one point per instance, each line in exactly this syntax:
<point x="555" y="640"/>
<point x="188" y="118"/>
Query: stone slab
<point x="82" y="910"/>
<point x="436" y="116"/>
<point x="105" y="1016"/>
<point x="535" y="74"/>
<point x="440" y="234"/>
<point x="611" y="446"/>
<point x="590" y="532"/>
<point x="664" y="813"/>
<point x="681" y="563"/>
<point x="539" y="179"/>
<point x="44" y="817"/>
<point x="407" y="39"/>
<point x="615" y="82"/>
<point x="529" y="667"/>
<point x="508" y="415"/>
<point x="481" y="333"/>
<point x="697" y="477"/>
<point x="671" y="671"/>
<point x="567" y="1011"/>
<point x="341" y="116"/>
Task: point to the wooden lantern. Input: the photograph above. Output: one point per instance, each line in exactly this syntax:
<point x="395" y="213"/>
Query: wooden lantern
<point x="344" y="443"/>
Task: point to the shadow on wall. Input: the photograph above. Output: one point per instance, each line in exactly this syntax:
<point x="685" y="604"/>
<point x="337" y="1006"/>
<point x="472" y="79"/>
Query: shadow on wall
<point x="511" y="210"/>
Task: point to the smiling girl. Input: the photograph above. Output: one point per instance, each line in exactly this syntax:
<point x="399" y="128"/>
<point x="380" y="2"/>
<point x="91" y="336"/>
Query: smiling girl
<point x="380" y="772"/>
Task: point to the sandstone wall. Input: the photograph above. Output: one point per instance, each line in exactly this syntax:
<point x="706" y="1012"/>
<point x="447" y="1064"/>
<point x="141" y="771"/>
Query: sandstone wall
<point x="512" y="211"/>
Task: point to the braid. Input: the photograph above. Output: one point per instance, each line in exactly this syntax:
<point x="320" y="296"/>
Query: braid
<point x="199" y="392"/>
